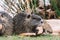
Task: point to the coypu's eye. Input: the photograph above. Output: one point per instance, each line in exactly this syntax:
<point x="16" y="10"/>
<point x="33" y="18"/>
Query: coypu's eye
<point x="28" y="16"/>
<point x="41" y="21"/>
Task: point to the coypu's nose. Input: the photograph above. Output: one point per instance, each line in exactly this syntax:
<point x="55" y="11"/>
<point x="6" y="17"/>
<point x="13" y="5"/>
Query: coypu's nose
<point x="41" y="21"/>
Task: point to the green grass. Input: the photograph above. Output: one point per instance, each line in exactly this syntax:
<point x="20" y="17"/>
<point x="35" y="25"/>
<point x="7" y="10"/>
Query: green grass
<point x="45" y="37"/>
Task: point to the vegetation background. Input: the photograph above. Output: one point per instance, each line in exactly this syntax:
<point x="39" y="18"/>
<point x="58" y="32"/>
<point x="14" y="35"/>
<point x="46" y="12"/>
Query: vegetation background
<point x="15" y="6"/>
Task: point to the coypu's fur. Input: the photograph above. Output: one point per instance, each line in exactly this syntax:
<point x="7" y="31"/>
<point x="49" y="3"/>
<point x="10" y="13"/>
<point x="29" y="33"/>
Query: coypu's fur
<point x="6" y="22"/>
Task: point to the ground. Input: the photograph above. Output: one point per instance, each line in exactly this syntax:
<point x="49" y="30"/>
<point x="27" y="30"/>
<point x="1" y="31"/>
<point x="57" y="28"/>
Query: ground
<point x="41" y="37"/>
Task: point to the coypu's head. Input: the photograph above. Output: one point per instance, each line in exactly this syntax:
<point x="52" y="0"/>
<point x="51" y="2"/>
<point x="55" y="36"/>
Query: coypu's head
<point x="25" y="23"/>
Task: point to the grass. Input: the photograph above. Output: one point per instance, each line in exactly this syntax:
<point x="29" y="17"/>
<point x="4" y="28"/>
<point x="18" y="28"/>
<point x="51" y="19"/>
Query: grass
<point x="41" y="37"/>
